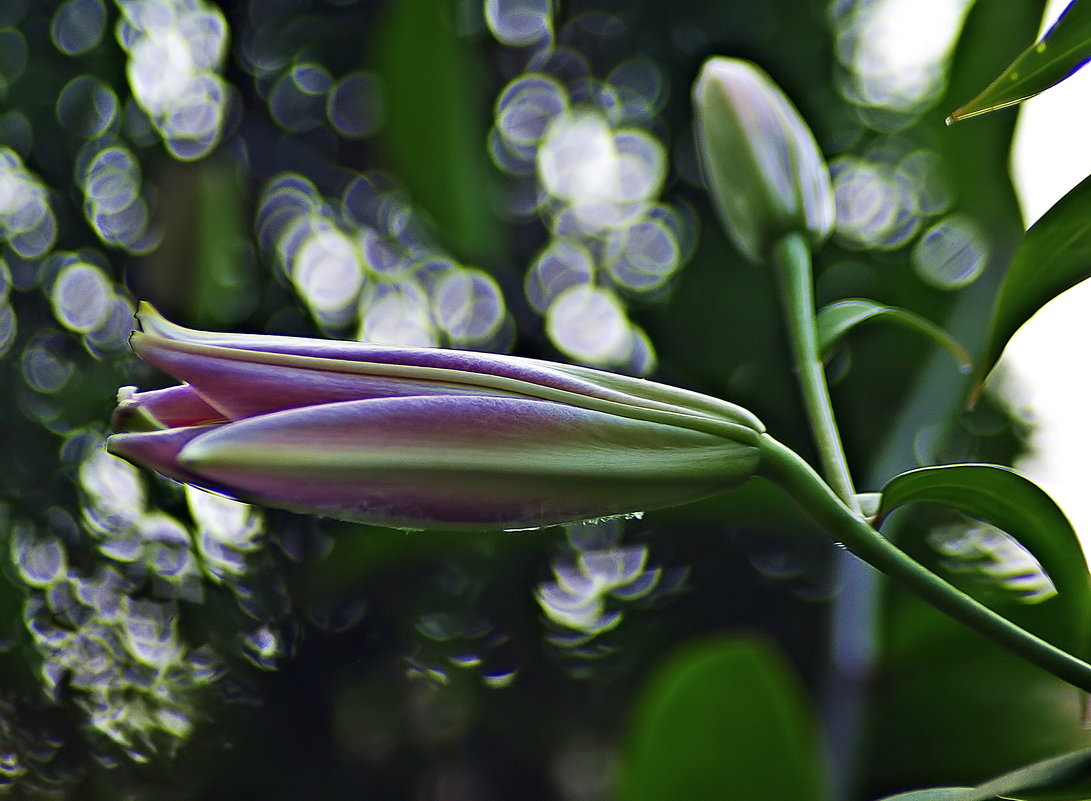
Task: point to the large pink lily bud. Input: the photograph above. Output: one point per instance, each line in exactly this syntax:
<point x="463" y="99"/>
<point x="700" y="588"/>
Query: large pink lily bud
<point x="762" y="166"/>
<point x="423" y="438"/>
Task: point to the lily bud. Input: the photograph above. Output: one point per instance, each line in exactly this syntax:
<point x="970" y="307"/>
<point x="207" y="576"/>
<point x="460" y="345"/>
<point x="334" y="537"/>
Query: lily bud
<point x="423" y="438"/>
<point x="762" y="166"/>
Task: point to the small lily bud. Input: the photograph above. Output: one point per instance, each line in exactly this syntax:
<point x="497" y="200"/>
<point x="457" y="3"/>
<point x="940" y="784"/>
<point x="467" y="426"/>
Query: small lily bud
<point x="423" y="438"/>
<point x="761" y="163"/>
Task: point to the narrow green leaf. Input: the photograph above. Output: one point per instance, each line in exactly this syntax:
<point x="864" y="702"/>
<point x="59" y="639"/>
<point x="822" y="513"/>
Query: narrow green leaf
<point x="1064" y="49"/>
<point x="1004" y="498"/>
<point x="1055" y="255"/>
<point x="712" y="720"/>
<point x="1062" y="778"/>
<point x="933" y="794"/>
<point x="837" y="319"/>
<point x="224" y="273"/>
<point x="436" y="104"/>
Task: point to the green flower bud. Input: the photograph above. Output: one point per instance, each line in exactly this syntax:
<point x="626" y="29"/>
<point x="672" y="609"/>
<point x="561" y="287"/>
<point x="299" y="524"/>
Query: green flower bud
<point x="761" y="163"/>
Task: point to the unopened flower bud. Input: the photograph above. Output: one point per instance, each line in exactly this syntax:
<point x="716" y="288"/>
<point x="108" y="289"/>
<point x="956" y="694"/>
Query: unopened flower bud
<point x="762" y="166"/>
<point x="423" y="438"/>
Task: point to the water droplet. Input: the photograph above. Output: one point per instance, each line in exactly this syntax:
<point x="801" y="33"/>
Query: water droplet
<point x="297" y="100"/>
<point x="640" y="87"/>
<point x="16" y="132"/>
<point x="8" y="327"/>
<point x="77" y="26"/>
<point x="355" y="105"/>
<point x="150" y="633"/>
<point x="114" y="493"/>
<point x="13" y="55"/>
<point x="519" y="23"/>
<point x="950" y="254"/>
<point x="644" y="255"/>
<point x="231" y="522"/>
<point x="40" y="559"/>
<point x="81" y="297"/>
<point x="263" y="647"/>
<point x="327" y="272"/>
<point x="589" y="324"/>
<point x="468" y="305"/>
<point x="87" y="107"/>
<point x="44" y="368"/>
<point x="561" y="265"/>
<point x="396" y="314"/>
<point x="527" y="106"/>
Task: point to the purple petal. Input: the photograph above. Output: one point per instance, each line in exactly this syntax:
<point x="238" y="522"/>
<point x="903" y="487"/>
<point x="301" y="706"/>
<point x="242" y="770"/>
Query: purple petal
<point x="463" y="462"/>
<point x="173" y="407"/>
<point x="158" y="450"/>
<point x="353" y="357"/>
<point x="239" y="385"/>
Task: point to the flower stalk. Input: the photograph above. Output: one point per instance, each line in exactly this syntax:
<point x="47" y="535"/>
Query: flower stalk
<point x="785" y="468"/>
<point x="423" y="438"/>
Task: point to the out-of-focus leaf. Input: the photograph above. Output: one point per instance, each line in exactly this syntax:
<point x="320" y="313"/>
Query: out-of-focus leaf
<point x="223" y="291"/>
<point x="436" y="120"/>
<point x="1062" y="778"/>
<point x="934" y="794"/>
<point x="1004" y="498"/>
<point x="837" y="319"/>
<point x="1064" y="49"/>
<point x="723" y="718"/>
<point x="1055" y="255"/>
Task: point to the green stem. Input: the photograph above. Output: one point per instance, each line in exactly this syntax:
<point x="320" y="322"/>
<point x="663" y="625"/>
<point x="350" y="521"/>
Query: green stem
<point x="791" y="257"/>
<point x="787" y="469"/>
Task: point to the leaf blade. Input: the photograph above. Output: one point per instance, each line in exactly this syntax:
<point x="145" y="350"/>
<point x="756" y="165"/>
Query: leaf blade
<point x="1002" y="497"/>
<point x="1054" y="256"/>
<point x="837" y="319"/>
<point x="1061" y="52"/>
<point x="709" y="722"/>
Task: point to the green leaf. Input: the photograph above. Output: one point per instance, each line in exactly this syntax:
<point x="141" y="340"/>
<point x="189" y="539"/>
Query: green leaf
<point x="837" y="319"/>
<point x="1004" y="498"/>
<point x="933" y="794"/>
<point x="1062" y="778"/>
<point x="712" y="722"/>
<point x="224" y="273"/>
<point x="436" y="107"/>
<point x="1055" y="255"/>
<point x="1064" y="49"/>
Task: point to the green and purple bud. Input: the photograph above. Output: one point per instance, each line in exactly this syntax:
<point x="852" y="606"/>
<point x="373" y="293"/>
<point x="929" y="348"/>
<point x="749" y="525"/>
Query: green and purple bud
<point x="423" y="438"/>
<point x="762" y="166"/>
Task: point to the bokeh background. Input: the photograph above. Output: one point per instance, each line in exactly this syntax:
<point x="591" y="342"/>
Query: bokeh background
<point x="517" y="176"/>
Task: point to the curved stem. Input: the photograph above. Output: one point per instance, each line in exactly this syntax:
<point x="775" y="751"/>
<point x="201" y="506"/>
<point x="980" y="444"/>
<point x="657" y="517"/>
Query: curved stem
<point x="792" y="258"/>
<point x="788" y="470"/>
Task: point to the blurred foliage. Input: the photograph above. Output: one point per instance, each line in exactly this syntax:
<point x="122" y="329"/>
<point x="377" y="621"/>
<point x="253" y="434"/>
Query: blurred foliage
<point x="510" y="175"/>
